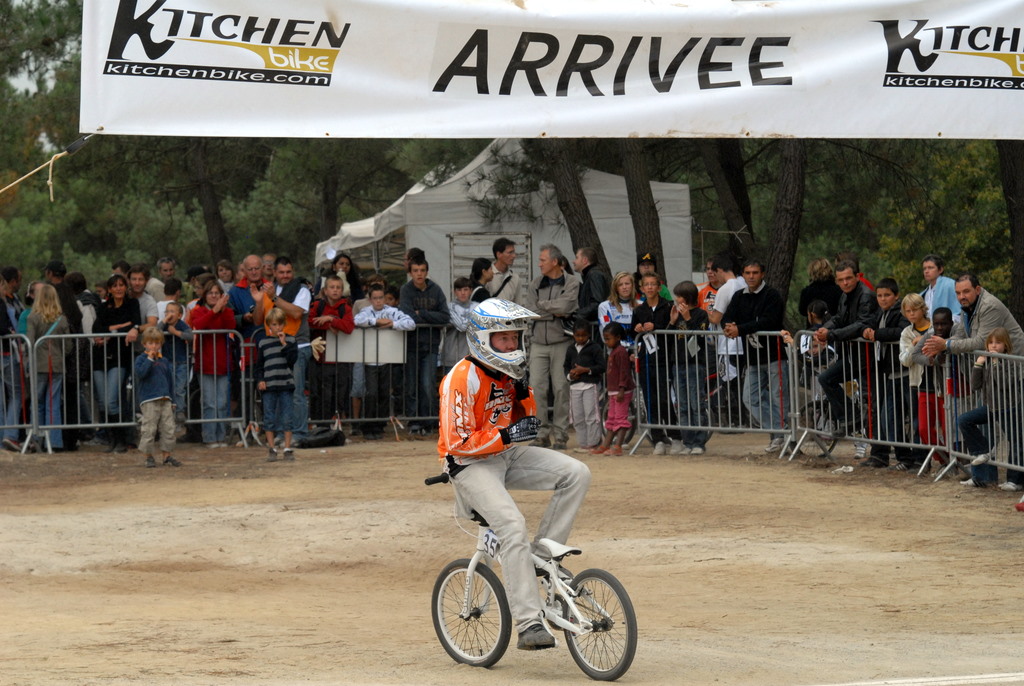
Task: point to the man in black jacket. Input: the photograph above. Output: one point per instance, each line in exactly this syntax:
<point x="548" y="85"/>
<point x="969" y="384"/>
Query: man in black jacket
<point x="857" y="307"/>
<point x="594" y="290"/>
<point x="759" y="307"/>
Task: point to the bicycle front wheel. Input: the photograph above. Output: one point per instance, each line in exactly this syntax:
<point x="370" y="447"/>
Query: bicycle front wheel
<point x="605" y="653"/>
<point x="476" y="632"/>
<point x="816" y="415"/>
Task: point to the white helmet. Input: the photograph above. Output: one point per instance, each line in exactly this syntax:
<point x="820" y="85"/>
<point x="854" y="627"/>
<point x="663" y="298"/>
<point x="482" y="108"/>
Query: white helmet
<point x="495" y="315"/>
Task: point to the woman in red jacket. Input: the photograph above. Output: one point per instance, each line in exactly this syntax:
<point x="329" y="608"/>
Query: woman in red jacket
<point x="214" y="360"/>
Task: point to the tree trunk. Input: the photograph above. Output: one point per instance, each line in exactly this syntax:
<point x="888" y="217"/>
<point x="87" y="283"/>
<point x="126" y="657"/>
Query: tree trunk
<point x="329" y="202"/>
<point x="561" y="169"/>
<point x="216" y="233"/>
<point x="723" y="160"/>
<point x="1011" y="170"/>
<point x="642" y="208"/>
<point x="789" y="205"/>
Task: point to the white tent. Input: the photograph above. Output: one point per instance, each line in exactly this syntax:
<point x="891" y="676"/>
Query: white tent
<point x="448" y="221"/>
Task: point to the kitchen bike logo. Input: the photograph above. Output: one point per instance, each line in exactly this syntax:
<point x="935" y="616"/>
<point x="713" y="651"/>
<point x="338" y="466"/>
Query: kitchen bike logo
<point x="293" y="51"/>
<point x="953" y="56"/>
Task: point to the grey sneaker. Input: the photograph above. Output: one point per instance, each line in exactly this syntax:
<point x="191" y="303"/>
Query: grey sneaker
<point x="150" y="462"/>
<point x="697" y="451"/>
<point x="289" y="454"/>
<point x="535" y="637"/>
<point x="660" y="448"/>
<point x="271" y="455"/>
<point x="774" y="446"/>
<point x="981" y="459"/>
<point x="677" y="448"/>
<point x="172" y="461"/>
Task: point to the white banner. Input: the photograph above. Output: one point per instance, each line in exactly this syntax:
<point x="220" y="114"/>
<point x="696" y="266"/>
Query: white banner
<point x="529" y="68"/>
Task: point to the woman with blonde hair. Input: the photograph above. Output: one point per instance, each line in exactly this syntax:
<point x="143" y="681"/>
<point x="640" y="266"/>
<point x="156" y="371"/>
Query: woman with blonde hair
<point x="46" y="320"/>
<point x="619" y="306"/>
<point x="822" y="286"/>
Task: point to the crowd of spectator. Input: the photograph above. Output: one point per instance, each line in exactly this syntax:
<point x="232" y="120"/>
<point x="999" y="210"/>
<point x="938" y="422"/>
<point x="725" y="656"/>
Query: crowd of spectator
<point x="260" y="315"/>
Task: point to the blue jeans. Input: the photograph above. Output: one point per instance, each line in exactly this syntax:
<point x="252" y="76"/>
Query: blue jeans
<point x="10" y="399"/>
<point x="692" y="395"/>
<point x="277" y="411"/>
<point x="215" y="391"/>
<point x="48" y="402"/>
<point x="973" y="426"/>
<point x="832" y="382"/>
<point x="766" y="394"/>
<point x="421" y="399"/>
<point x="891" y="406"/>
<point x="107" y="385"/>
<point x="180" y="374"/>
<point x="300" y="402"/>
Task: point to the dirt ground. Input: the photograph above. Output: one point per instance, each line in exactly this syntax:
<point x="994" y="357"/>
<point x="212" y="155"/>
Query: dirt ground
<point x="744" y="569"/>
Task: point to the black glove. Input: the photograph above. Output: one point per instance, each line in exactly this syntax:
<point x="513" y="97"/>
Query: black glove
<point x="521" y="389"/>
<point x="523" y="430"/>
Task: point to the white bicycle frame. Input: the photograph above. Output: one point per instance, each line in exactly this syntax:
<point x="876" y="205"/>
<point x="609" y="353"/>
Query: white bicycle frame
<point x="488" y="549"/>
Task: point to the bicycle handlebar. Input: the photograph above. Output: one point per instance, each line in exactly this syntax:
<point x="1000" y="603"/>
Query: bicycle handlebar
<point x="439" y="479"/>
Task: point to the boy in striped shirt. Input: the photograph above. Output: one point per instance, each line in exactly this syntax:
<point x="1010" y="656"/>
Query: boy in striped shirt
<point x="275" y="356"/>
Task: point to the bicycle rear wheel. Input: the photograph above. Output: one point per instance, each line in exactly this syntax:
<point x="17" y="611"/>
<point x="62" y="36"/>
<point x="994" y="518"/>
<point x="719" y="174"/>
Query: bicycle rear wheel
<point x="605" y="653"/>
<point x="480" y="637"/>
<point x="817" y="417"/>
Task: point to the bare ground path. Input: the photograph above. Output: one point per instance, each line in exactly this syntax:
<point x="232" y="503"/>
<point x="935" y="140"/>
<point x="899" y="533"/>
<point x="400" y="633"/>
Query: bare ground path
<point x="744" y="570"/>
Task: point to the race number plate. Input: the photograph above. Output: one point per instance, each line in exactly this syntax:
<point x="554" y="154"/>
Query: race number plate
<point x="491" y="543"/>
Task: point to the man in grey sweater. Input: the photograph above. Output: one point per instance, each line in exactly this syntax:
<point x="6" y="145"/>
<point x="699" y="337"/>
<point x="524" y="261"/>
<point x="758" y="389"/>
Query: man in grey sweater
<point x="553" y="295"/>
<point x="981" y="312"/>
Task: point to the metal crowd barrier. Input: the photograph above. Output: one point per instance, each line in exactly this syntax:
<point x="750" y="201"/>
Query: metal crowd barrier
<point x="702" y="381"/>
<point x="696" y="383"/>
<point x="374" y="379"/>
<point x="90" y="396"/>
<point x="987" y="421"/>
<point x="866" y="392"/>
<point x="15" y="382"/>
<point x="861" y="390"/>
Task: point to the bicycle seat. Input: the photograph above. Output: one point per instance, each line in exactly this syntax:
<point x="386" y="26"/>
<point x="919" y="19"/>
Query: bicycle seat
<point x="556" y="550"/>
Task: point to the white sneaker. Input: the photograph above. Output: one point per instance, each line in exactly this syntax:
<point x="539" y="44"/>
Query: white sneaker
<point x="660" y="448"/>
<point x="981" y="459"/>
<point x="972" y="482"/>
<point x="775" y="446"/>
<point x="678" y="448"/>
<point x="1010" y="486"/>
<point x="860" y="449"/>
<point x="697" y="451"/>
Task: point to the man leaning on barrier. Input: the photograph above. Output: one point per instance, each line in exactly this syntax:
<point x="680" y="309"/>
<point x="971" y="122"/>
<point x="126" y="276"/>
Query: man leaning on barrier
<point x="981" y="313"/>
<point x="857" y="307"/>
<point x="759" y="307"/>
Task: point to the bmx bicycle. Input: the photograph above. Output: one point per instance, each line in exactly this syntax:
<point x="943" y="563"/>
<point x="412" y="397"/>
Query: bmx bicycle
<point x="473" y="621"/>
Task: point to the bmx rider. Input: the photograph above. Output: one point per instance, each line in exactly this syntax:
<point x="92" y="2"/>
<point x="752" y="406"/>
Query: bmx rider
<point x="486" y="409"/>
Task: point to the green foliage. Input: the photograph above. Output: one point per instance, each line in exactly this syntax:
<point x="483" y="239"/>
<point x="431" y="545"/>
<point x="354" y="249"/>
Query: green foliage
<point x="960" y="214"/>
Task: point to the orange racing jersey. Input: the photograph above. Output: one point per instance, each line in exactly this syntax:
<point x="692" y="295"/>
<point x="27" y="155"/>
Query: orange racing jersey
<point x="476" y="404"/>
